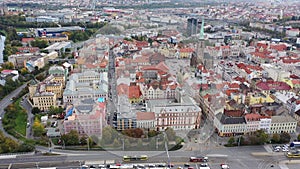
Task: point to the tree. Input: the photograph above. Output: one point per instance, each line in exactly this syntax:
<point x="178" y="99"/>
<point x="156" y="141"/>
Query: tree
<point x="116" y="143"/>
<point x="152" y="133"/>
<point x="285" y="137"/>
<point x="275" y="138"/>
<point x="35" y="110"/>
<point x="139" y="144"/>
<point x="55" y="110"/>
<point x="170" y="134"/>
<point x="298" y="137"/>
<point x="71" y="138"/>
<point x="262" y="137"/>
<point x="39" y="43"/>
<point x="108" y="135"/>
<point x="24" y="71"/>
<point x="230" y="141"/>
<point x="135" y="133"/>
<point x="37" y="128"/>
<point x="83" y="140"/>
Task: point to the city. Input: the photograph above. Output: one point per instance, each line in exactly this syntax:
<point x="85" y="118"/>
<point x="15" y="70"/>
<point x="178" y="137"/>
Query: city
<point x="150" y="84"/>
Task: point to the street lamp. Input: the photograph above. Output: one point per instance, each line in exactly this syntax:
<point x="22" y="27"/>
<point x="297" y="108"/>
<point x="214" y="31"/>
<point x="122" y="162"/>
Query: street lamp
<point x="123" y="144"/>
<point x="88" y="144"/>
<point x="157" y="142"/>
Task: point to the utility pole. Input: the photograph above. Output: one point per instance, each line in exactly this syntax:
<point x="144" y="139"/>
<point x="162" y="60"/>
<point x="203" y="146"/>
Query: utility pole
<point x="88" y="144"/>
<point x="166" y="147"/>
<point x="157" y="143"/>
<point x="123" y="144"/>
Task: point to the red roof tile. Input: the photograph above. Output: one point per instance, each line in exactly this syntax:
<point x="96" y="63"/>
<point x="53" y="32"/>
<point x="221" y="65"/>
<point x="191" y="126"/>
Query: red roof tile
<point x="273" y="85"/>
<point x="145" y="116"/>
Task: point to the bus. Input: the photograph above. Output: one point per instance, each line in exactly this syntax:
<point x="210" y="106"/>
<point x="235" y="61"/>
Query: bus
<point x="293" y="154"/>
<point x="198" y="159"/>
<point x="135" y="158"/>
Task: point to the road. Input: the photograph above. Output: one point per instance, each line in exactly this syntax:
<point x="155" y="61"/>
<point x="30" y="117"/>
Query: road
<point x="5" y="102"/>
<point x="28" y="107"/>
<point x="237" y="157"/>
<point x="111" y="105"/>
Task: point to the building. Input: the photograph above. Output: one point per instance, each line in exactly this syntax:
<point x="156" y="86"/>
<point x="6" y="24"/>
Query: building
<point x="44" y="100"/>
<point x="88" y="84"/>
<point x="230" y="126"/>
<point x="271" y="86"/>
<point x="145" y="120"/>
<point x="2" y="40"/>
<point x="283" y="124"/>
<point x="192" y="26"/>
<point x="86" y="116"/>
<point x="201" y="46"/>
<point x="181" y="115"/>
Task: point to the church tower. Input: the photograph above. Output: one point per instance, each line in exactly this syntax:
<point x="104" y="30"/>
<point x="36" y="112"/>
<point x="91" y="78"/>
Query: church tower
<point x="201" y="44"/>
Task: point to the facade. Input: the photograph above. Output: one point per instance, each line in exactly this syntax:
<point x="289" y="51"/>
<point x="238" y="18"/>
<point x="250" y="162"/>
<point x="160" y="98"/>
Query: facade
<point x="230" y="126"/>
<point x="126" y="120"/>
<point x="283" y="124"/>
<point x="192" y="26"/>
<point x="145" y="120"/>
<point x="181" y="115"/>
<point x="44" y="100"/>
<point x="44" y="94"/>
<point x="86" y="116"/>
<point x="2" y="40"/>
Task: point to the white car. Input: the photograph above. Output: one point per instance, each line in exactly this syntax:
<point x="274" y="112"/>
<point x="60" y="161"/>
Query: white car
<point x="224" y="166"/>
<point x="285" y="149"/>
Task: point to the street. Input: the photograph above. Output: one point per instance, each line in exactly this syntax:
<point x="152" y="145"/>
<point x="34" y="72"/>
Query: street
<point x="236" y="157"/>
<point x="5" y="102"/>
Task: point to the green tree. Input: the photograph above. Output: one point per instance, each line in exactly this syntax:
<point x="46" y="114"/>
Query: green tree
<point x="262" y="137"/>
<point x="152" y="143"/>
<point x="35" y="110"/>
<point x="39" y="43"/>
<point x="55" y="110"/>
<point x="152" y="133"/>
<point x="139" y="144"/>
<point x="71" y="138"/>
<point x="230" y="141"/>
<point x="127" y="143"/>
<point x="116" y="143"/>
<point x="285" y="137"/>
<point x="275" y="138"/>
<point x="170" y="134"/>
<point x="37" y="128"/>
<point x="83" y="140"/>
<point x="298" y="137"/>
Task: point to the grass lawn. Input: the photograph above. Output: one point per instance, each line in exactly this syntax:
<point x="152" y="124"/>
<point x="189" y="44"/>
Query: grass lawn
<point x="21" y="119"/>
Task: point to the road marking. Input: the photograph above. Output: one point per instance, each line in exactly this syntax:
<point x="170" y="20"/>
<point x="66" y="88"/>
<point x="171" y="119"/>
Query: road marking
<point x="8" y="156"/>
<point x="268" y="148"/>
<point x="216" y="155"/>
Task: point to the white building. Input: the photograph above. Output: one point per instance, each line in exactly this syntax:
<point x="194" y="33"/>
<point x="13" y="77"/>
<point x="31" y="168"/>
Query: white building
<point x="2" y="40"/>
<point x="89" y="84"/>
<point x="275" y="72"/>
<point x="145" y="120"/>
<point x="283" y="124"/>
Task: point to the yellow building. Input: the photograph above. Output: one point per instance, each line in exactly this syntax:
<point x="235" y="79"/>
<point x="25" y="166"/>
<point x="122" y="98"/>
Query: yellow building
<point x="54" y="87"/>
<point x="44" y="100"/>
<point x="258" y="98"/>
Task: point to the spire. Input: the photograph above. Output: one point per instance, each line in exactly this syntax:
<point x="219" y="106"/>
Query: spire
<point x="202" y="29"/>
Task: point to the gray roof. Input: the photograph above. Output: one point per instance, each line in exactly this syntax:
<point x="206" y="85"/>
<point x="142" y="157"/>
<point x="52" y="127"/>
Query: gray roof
<point x="230" y="120"/>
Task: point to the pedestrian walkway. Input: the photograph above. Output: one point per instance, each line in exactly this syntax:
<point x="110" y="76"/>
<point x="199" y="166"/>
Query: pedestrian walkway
<point x="283" y="166"/>
<point x="268" y="148"/>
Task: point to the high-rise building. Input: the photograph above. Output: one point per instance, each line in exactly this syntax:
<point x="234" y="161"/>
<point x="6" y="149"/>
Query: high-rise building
<point x="201" y="44"/>
<point x="192" y="26"/>
<point x="2" y="40"/>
